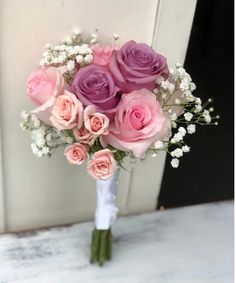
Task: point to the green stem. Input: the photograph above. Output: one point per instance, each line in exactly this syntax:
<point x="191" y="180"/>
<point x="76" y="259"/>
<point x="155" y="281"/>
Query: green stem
<point x="101" y="246"/>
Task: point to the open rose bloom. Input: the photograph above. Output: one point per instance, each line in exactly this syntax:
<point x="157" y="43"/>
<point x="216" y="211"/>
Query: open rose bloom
<point x="104" y="102"/>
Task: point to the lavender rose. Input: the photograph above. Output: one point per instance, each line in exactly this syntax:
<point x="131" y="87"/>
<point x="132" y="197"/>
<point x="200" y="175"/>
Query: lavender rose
<point x="136" y="65"/>
<point x="94" y="85"/>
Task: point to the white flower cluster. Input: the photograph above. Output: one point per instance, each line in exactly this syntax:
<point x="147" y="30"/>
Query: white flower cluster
<point x="68" y="55"/>
<point x="184" y="80"/>
<point x="183" y="108"/>
<point x="45" y="139"/>
<point x="178" y="152"/>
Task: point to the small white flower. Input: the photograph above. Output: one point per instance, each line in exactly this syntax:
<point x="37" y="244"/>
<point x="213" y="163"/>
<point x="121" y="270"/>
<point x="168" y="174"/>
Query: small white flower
<point x="45" y="150"/>
<point x="175" y="162"/>
<point x="173" y="117"/>
<point x="178" y="65"/>
<point x="174" y="125"/>
<point x="182" y="131"/>
<point x="34" y="148"/>
<point x="188" y="116"/>
<point x="171" y="88"/>
<point x="39" y="153"/>
<point x="207" y="119"/>
<point x="79" y="59"/>
<point x="23" y="127"/>
<point x="185" y="148"/>
<point x="192" y="86"/>
<point x="55" y="60"/>
<point x="159" y="80"/>
<point x="184" y="85"/>
<point x="35" y="121"/>
<point x="164" y="95"/>
<point x="191" y="129"/>
<point x="69" y="140"/>
<point x="198" y="108"/>
<point x="158" y="145"/>
<point x="165" y="85"/>
<point x="177" y="101"/>
<point x="40" y="141"/>
<point x="88" y="58"/>
<point x="42" y="62"/>
<point x="93" y="40"/>
<point x="177" y="152"/>
<point x="48" y="46"/>
<point x="70" y="65"/>
<point x="177" y="138"/>
<point x="67" y="40"/>
<point x="154" y="154"/>
<point x="198" y="100"/>
<point x="94" y="35"/>
<point x="84" y="49"/>
<point x="172" y="71"/>
<point x="155" y="91"/>
<point x="116" y="36"/>
<point x="182" y="72"/>
<point x="190" y="97"/>
<point x="24" y="115"/>
<point x="49" y="137"/>
<point x="77" y="31"/>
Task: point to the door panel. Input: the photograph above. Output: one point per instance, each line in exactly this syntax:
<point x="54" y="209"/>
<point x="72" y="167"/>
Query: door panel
<point x="44" y="192"/>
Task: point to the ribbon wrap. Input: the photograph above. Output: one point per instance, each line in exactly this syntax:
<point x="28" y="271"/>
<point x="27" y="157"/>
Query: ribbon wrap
<point x="106" y="211"/>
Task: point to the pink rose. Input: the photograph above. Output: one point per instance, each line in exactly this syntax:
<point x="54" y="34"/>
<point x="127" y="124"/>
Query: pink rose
<point x="43" y="86"/>
<point x="136" y="65"/>
<point x="139" y="121"/>
<point x="102" y="53"/>
<point x="76" y="153"/>
<point x="103" y="165"/>
<point x="44" y="83"/>
<point x="95" y="123"/>
<point x="84" y="136"/>
<point x="67" y="112"/>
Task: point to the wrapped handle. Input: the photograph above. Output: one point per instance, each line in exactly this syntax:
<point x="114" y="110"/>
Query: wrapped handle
<point x="106" y="211"/>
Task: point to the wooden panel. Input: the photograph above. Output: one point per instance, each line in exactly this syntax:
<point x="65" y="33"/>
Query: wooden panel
<point x="2" y="200"/>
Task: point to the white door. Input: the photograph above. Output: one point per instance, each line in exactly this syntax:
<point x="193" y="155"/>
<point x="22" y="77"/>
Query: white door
<point x="43" y="192"/>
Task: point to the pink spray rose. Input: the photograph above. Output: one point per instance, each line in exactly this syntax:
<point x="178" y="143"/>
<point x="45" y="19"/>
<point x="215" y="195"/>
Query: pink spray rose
<point x="94" y="85"/>
<point x="136" y="65"/>
<point x="103" y="165"/>
<point x="44" y="83"/>
<point x="102" y="53"/>
<point x="95" y="123"/>
<point x="139" y="121"/>
<point x="67" y="112"/>
<point x="76" y="153"/>
<point x="84" y="136"/>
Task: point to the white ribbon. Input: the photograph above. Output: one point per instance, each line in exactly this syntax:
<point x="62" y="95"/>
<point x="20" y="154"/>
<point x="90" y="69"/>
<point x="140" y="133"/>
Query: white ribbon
<point x="106" y="211"/>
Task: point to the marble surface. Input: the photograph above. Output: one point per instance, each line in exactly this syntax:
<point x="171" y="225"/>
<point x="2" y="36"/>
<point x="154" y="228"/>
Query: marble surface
<point x="192" y="244"/>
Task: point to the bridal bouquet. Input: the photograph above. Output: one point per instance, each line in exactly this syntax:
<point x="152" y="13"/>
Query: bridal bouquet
<point x="104" y="102"/>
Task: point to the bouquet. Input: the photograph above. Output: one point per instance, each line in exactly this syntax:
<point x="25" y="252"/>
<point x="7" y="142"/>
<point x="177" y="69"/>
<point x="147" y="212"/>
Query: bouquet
<point x="103" y="102"/>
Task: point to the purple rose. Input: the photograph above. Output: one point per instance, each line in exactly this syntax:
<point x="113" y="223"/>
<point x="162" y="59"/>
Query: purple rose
<point x="94" y="85"/>
<point x="136" y="66"/>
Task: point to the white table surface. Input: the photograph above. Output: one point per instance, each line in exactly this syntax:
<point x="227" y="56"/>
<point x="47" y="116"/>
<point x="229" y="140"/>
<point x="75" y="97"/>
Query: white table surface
<point x="192" y="244"/>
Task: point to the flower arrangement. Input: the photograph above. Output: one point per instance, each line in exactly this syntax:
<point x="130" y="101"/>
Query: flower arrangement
<point x="104" y="102"/>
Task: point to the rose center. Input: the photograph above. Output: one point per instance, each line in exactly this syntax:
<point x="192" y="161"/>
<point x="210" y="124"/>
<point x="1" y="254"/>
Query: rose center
<point x="96" y="123"/>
